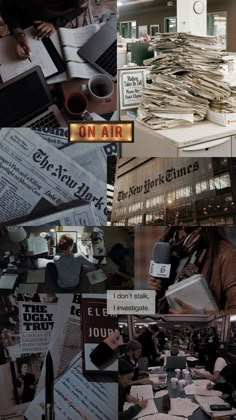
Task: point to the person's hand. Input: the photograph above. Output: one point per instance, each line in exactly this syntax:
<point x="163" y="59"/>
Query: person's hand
<point x="145" y="381"/>
<point x="22" y="46"/>
<point x="114" y="340"/>
<point x="132" y="399"/>
<point x="210" y="386"/>
<point x="184" y="308"/>
<point x="142" y="404"/>
<point x="154" y="284"/>
<point x="43" y="29"/>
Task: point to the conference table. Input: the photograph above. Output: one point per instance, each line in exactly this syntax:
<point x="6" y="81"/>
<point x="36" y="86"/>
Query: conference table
<point x="198" y="414"/>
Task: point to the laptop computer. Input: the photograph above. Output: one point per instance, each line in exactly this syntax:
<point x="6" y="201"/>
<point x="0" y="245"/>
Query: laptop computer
<point x="26" y="101"/>
<point x="101" y="49"/>
<point x="176" y="362"/>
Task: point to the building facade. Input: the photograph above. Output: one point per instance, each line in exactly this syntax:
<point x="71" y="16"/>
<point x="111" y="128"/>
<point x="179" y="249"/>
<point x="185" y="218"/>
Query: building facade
<point x="174" y="191"/>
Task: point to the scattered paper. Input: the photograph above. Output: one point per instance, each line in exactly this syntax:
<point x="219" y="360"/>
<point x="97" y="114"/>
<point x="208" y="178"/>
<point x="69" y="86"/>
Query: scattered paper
<point x="97" y="276"/>
<point x="150" y="409"/>
<point x="161" y="393"/>
<point x="140" y="392"/>
<point x="182" y="407"/>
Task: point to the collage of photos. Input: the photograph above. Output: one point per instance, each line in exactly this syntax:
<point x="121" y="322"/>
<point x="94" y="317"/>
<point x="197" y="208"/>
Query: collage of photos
<point x="117" y="210"/>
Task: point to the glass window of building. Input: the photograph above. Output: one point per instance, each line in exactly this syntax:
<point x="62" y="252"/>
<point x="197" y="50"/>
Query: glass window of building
<point x="170" y="24"/>
<point x="155" y="201"/>
<point x="135" y="220"/>
<point x="217" y="26"/>
<point x="201" y="187"/>
<point x="135" y="207"/>
<point x="225" y="181"/>
<point x="128" y="29"/>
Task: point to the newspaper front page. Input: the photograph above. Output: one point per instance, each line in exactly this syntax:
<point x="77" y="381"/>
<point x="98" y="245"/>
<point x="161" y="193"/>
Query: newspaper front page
<point x="35" y="175"/>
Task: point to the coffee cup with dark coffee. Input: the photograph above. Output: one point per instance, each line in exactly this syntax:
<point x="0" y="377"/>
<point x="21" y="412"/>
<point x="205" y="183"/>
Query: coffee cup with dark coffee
<point x="76" y="104"/>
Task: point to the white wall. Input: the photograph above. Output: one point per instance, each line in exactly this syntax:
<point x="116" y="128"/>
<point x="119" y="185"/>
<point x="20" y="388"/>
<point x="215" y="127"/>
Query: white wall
<point x="188" y="20"/>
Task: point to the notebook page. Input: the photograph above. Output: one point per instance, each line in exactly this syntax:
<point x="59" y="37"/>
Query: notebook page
<point x="12" y="66"/>
<point x="71" y="41"/>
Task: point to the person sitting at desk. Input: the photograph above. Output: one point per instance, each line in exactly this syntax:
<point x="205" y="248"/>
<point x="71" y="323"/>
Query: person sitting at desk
<point x="227" y="384"/>
<point x="174" y="351"/>
<point x="44" y="15"/>
<point x="67" y="268"/>
<point x="132" y="355"/>
<point x="125" y="374"/>
<point x="214" y="365"/>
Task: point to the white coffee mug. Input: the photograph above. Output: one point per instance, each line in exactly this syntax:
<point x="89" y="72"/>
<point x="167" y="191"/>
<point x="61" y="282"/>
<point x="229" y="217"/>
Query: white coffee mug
<point x="177" y="371"/>
<point x="182" y="383"/>
<point x="186" y="374"/>
<point x="174" y="383"/>
<point x="100" y="87"/>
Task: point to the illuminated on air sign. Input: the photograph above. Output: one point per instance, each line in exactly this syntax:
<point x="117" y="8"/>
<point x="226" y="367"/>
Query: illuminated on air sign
<point x="101" y="132"/>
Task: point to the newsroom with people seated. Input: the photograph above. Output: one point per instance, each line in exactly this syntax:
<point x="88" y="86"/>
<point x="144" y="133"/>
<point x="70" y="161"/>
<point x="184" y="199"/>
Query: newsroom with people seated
<point x="154" y="345"/>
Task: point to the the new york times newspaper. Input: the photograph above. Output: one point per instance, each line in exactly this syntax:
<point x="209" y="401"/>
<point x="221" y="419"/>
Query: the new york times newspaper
<point x="35" y="175"/>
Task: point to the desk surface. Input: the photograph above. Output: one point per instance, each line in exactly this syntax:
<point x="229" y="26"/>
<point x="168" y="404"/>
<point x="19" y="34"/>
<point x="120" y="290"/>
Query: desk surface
<point x="197" y="414"/>
<point x="101" y="107"/>
<point x="186" y="136"/>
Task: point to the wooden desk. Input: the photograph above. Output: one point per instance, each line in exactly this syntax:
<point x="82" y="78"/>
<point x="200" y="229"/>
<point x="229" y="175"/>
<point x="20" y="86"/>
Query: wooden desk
<point x="99" y="107"/>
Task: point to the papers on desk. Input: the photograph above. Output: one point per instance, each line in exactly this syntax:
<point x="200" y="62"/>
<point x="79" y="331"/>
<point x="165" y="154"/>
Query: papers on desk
<point x="97" y="276"/>
<point x="195" y="389"/>
<point x="7" y="281"/>
<point x="142" y="392"/>
<point x="12" y="66"/>
<point x="161" y="378"/>
<point x="25" y="288"/>
<point x="36" y="276"/>
<point x="150" y="409"/>
<point x="160" y="394"/>
<point x="205" y="403"/>
<point x="186" y="75"/>
<point x="161" y="416"/>
<point x="71" y="41"/>
<point x="37" y="245"/>
<point x="182" y="407"/>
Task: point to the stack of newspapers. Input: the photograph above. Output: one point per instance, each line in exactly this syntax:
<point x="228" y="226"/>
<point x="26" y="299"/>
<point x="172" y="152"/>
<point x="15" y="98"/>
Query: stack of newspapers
<point x="186" y="76"/>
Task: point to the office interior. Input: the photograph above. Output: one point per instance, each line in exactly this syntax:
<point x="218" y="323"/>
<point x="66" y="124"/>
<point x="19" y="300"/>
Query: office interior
<point x="139" y="22"/>
<point x="27" y="253"/>
<point x="61" y="95"/>
<point x="194" y="336"/>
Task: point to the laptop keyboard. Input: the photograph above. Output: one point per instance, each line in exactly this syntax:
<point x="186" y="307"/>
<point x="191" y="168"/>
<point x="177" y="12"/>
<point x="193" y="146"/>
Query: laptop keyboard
<point x="48" y="120"/>
<point x="108" y="60"/>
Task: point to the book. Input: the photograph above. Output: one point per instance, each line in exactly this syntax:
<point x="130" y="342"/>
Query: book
<point x="194" y="291"/>
<point x="96" y="326"/>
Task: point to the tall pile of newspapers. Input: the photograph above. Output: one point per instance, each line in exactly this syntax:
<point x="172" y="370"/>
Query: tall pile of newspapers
<point x="187" y="76"/>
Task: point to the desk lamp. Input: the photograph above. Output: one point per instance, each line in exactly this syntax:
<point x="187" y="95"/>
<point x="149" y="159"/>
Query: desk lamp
<point x="17" y="234"/>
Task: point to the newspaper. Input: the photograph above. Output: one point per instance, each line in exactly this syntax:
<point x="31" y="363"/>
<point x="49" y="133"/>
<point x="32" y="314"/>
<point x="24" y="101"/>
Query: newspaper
<point x="22" y="350"/>
<point x="186" y="76"/>
<point x="75" y="397"/>
<point x="92" y="157"/>
<point x="77" y="216"/>
<point x="58" y="137"/>
<point x="78" y="399"/>
<point x="35" y="175"/>
<point x="36" y="325"/>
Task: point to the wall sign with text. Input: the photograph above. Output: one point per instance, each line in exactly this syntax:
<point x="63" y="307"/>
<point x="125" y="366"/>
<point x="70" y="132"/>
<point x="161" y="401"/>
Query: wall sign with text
<point x="131" y="83"/>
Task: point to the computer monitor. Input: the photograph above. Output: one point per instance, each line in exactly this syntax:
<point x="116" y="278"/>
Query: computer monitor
<point x="140" y="52"/>
<point x="72" y="235"/>
<point x="176" y="362"/>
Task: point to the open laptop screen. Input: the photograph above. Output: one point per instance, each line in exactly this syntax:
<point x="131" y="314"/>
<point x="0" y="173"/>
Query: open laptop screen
<point x="22" y="98"/>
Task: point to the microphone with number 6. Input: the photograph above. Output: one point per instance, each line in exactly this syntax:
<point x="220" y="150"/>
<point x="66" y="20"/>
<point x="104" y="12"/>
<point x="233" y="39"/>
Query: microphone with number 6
<point x="160" y="263"/>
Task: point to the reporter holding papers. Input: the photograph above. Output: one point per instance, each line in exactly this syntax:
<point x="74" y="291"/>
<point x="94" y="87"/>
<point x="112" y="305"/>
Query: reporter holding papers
<point x="204" y="251"/>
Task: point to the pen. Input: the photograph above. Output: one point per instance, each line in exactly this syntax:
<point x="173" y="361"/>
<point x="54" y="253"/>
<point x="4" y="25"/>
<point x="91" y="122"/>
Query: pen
<point x="49" y="390"/>
<point x="23" y="46"/>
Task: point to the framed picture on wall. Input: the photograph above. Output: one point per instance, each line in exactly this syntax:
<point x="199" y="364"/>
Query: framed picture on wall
<point x="154" y="29"/>
<point x="142" y="31"/>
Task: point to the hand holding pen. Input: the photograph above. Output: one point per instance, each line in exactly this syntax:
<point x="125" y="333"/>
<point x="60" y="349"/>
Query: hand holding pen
<point x="22" y="48"/>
